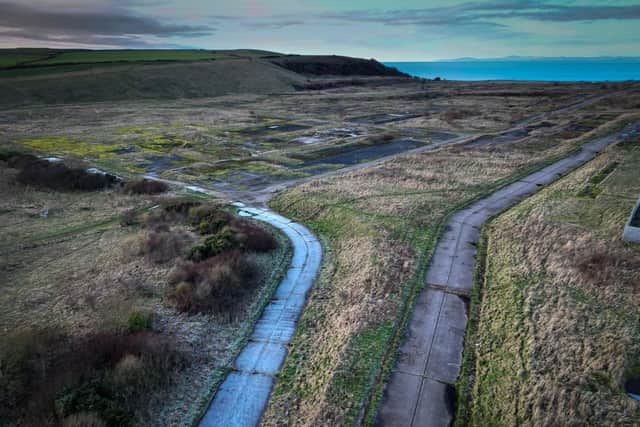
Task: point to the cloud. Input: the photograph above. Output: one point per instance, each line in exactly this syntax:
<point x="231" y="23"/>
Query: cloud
<point x="104" y="26"/>
<point x="486" y="14"/>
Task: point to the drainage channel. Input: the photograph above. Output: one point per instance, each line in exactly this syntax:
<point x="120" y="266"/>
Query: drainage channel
<point x="419" y="392"/>
<point x="243" y="395"/>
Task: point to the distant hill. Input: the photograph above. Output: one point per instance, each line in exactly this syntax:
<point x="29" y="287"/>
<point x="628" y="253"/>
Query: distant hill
<point x="542" y="58"/>
<point x="335" y="65"/>
<point x="46" y="76"/>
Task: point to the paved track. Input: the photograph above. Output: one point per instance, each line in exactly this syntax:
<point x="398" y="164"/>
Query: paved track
<point x="243" y="395"/>
<point x="419" y="391"/>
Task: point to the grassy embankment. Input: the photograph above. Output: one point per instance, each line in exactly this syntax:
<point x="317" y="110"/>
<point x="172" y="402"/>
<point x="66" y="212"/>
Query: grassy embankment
<point x="379" y="226"/>
<point x="555" y="332"/>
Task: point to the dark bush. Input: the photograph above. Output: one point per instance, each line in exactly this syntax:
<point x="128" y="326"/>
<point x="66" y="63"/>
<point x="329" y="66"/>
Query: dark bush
<point x="216" y="285"/>
<point x="145" y="186"/>
<point x="40" y="368"/>
<point x="14" y="158"/>
<point x="252" y="238"/>
<point x="138" y="321"/>
<point x="57" y="176"/>
<point x="238" y="235"/>
<point x="383" y="138"/>
<point x="96" y="396"/>
<point x="213" y="245"/>
<point x="209" y="219"/>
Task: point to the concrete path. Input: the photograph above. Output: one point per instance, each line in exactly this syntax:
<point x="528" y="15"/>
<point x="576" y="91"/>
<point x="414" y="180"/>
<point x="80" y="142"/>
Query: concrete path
<point x="420" y="391"/>
<point x="243" y="395"/>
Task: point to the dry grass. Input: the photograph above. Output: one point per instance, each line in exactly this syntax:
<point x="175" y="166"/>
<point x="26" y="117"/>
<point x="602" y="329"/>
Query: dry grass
<point x="558" y="327"/>
<point x="379" y="224"/>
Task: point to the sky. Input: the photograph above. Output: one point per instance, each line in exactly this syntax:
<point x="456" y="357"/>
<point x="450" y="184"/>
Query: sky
<point x="394" y="30"/>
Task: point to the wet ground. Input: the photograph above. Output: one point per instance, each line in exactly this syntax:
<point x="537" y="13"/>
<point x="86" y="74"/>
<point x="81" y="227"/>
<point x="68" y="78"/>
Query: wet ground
<point x="356" y="154"/>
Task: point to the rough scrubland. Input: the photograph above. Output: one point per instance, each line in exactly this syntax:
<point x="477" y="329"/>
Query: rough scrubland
<point x="135" y="271"/>
<point x="557" y="334"/>
<point x="380" y="225"/>
<point x="91" y="330"/>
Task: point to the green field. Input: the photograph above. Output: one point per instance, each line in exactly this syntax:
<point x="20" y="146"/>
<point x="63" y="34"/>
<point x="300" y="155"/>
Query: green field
<point x="39" y="57"/>
<point x="13" y="57"/>
<point x="130" y="56"/>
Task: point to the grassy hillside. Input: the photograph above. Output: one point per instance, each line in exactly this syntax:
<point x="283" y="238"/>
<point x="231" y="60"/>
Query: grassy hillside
<point x="335" y="65"/>
<point x="558" y="332"/>
<point x="149" y="81"/>
<point x="48" y="76"/>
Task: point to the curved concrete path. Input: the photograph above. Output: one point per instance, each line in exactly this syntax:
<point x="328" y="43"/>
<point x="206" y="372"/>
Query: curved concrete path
<point x="420" y="391"/>
<point x="242" y="397"/>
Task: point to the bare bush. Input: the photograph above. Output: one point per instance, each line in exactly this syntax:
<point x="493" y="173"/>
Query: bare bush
<point x="145" y="186"/>
<point x="215" y="285"/>
<point x="454" y="114"/>
<point x="159" y="245"/>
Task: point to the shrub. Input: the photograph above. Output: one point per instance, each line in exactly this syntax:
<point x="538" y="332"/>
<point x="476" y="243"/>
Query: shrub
<point x="209" y="219"/>
<point x="590" y="191"/>
<point x="383" y="138"/>
<point x="454" y="114"/>
<point x="178" y="205"/>
<point x="145" y="186"/>
<point x="128" y="218"/>
<point x="238" y="235"/>
<point x="215" y="285"/>
<point x="139" y="321"/>
<point x="57" y="176"/>
<point x="14" y="157"/>
<point x="161" y="244"/>
<point x="94" y="395"/>
<point x="40" y="368"/>
<point x="213" y="245"/>
<point x="252" y="238"/>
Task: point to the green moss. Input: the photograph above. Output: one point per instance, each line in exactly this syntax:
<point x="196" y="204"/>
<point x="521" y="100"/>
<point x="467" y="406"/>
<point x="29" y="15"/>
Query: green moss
<point x="590" y="191"/>
<point x="66" y="146"/>
<point x="602" y="174"/>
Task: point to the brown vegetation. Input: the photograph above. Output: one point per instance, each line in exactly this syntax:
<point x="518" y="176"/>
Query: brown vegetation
<point x="145" y="186"/>
<point x="217" y="285"/>
<point x="558" y="329"/>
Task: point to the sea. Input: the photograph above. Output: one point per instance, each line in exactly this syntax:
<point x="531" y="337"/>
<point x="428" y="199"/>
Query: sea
<point x="593" y="70"/>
